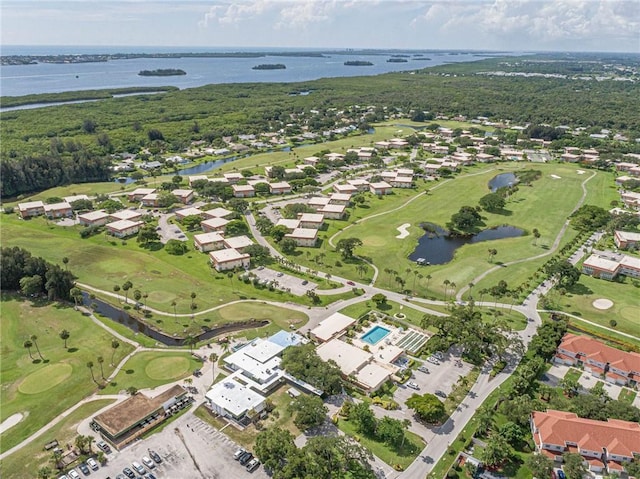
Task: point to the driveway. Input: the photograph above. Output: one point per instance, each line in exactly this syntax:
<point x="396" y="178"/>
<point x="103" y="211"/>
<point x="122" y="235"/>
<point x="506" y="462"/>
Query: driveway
<point x="190" y="449"/>
<point x="169" y="231"/>
<point x="285" y="281"/>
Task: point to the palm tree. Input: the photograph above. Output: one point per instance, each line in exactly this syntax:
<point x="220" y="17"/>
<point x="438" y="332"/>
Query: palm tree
<point x="28" y="344"/>
<point x="144" y="297"/>
<point x="90" y="366"/>
<point x="415" y="276"/>
<point x="126" y="287"/>
<point x="213" y="357"/>
<point x="137" y="295"/>
<point x="428" y="279"/>
<point x="34" y="339"/>
<point x="116" y="288"/>
<point x="193" y="306"/>
<point x="174" y="304"/>
<point x="65" y="260"/>
<point x="492" y="252"/>
<point x="453" y="287"/>
<point x="446" y="283"/>
<point x="536" y="236"/>
<point x="100" y="360"/>
<point x="64" y="335"/>
<point x="230" y="276"/>
<point x="76" y="295"/>
<point x="193" y="296"/>
<point x="190" y="341"/>
<point x="115" y="344"/>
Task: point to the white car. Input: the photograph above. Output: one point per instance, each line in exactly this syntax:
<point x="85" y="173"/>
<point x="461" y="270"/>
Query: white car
<point x="148" y="462"/>
<point x="433" y="360"/>
<point x="73" y="474"/>
<point x="92" y="464"/>
<point x="413" y="385"/>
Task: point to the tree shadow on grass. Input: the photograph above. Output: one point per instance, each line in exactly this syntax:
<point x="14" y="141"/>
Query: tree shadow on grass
<point x="129" y="371"/>
<point x="580" y="289"/>
<point x="72" y="350"/>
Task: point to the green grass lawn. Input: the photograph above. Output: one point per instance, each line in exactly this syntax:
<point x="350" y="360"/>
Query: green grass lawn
<point x="413" y="316"/>
<point x="27" y="461"/>
<point x="44" y="389"/>
<point x="150" y="369"/>
<point x="627" y="395"/>
<point x="279" y="417"/>
<point x="626" y="307"/>
<point x="573" y="373"/>
<point x="402" y="456"/>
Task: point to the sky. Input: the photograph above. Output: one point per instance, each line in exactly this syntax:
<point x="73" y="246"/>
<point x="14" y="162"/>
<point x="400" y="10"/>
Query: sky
<point x="511" y="25"/>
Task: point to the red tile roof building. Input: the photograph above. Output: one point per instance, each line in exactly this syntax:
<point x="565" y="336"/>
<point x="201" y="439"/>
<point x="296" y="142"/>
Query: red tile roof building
<point x="604" y="445"/>
<point x="616" y="366"/>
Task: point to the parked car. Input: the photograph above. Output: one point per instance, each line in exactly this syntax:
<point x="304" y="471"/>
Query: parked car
<point x="413" y="385"/>
<point x="138" y="468"/>
<point x="104" y="446"/>
<point x="129" y="473"/>
<point x="83" y="467"/>
<point x="423" y="369"/>
<point x="239" y="453"/>
<point x="73" y="474"/>
<point x="120" y="476"/>
<point x="246" y="457"/>
<point x="148" y="462"/>
<point x="351" y="283"/>
<point x="561" y="474"/>
<point x="440" y="394"/>
<point x="433" y="360"/>
<point x="92" y="464"/>
<point x="253" y="465"/>
<point x="150" y="476"/>
<point x="553" y="474"/>
<point x="438" y="355"/>
<point x="64" y="476"/>
<point x="305" y="282"/>
<point x="155" y="456"/>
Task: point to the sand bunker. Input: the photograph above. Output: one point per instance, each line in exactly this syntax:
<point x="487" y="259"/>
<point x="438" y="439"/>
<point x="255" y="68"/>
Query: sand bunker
<point x="580" y="172"/>
<point x="556" y="177"/>
<point x="403" y="231"/>
<point x="11" y="421"/>
<point x="602" y="303"/>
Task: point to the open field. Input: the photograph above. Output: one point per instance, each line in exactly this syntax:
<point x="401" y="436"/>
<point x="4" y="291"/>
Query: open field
<point x="104" y="262"/>
<point x="149" y="369"/>
<point x="625" y="310"/>
<point x="43" y="389"/>
<point x="27" y="461"/>
<point x="529" y="208"/>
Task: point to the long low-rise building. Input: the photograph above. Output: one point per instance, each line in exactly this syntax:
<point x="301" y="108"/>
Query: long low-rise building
<point x="331" y="327"/>
<point x="94" y="218"/>
<point x="31" y="208"/>
<point x="608" y="265"/>
<point x="304" y="236"/>
<point x="605" y="446"/>
<point x="226" y="259"/>
<point x="124" y="228"/>
<point x="206" y="242"/>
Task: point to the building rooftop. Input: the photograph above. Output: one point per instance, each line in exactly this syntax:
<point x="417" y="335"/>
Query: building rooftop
<point x="593" y="349"/>
<point x="57" y="206"/>
<point x="30" y="204"/>
<point x="125" y="215"/>
<point x="225" y="255"/>
<point x="218" y="213"/>
<point x="94" y="215"/>
<point x="238" y="242"/>
<point x="122" y="225"/>
<point x="311" y="217"/>
<point x="333" y="324"/>
<point x="234" y="397"/>
<point x="184" y="212"/>
<point x="348" y="358"/>
<point x="214" y="223"/>
<point x="206" y="238"/>
<point x="303" y="233"/>
<point x="372" y="375"/>
<point x="285" y="338"/>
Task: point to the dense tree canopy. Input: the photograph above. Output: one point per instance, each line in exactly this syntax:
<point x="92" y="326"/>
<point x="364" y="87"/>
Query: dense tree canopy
<point x="304" y="363"/>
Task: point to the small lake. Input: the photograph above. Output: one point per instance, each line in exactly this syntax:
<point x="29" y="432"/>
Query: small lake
<point x="502" y="180"/>
<point x="438" y="248"/>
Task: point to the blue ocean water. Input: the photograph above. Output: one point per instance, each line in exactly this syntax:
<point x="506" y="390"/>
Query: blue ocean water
<point x="18" y="80"/>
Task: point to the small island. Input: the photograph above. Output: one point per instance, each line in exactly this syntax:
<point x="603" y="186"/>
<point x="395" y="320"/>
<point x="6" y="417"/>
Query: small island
<point x="358" y="63"/>
<point x="270" y="66"/>
<point x="397" y="60"/>
<point x="166" y="72"/>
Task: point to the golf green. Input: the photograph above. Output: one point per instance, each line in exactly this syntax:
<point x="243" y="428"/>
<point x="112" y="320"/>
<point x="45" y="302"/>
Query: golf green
<point x="169" y="367"/>
<point x="45" y="378"/>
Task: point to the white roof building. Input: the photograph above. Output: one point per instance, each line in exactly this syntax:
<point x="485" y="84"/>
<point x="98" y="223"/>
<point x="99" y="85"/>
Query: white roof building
<point x="217" y="213"/>
<point x="331" y="326"/>
<point x="232" y="399"/>
<point x="348" y="358"/>
<point x="373" y="375"/>
<point x="238" y="242"/>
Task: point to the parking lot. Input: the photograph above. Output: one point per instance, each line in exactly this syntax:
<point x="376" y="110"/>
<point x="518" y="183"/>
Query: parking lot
<point x="285" y="281"/>
<point x="190" y="449"/>
<point x="440" y="377"/>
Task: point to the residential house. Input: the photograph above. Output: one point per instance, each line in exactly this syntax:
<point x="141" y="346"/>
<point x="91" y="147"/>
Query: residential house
<point x="150" y="200"/>
<point x="311" y="160"/>
<point x="214" y="225"/>
<point x="625" y="239"/>
<point x="94" y="218"/>
<point x="58" y="210"/>
<point x="304" y="236"/>
<point x="131" y="215"/>
<point x="339" y="198"/>
<point x="333" y="212"/>
<point x="605" y="446"/>
<point x="311" y="220"/>
<point x="206" y="242"/>
<point x="226" y="259"/>
<point x="30" y="209"/>
<point x="184" y="196"/>
<point x="71" y="199"/>
<point x="631" y="199"/>
<point x="290" y="224"/>
<point x="280" y="188"/>
<point x="243" y="191"/>
<point x="191" y="211"/>
<point x="239" y="243"/>
<point x="317" y="202"/>
<point x="217" y="213"/>
<point x="233" y="178"/>
<point x="139" y="193"/>
<point x="345" y="189"/>
<point x="124" y="228"/>
<point x="380" y="188"/>
<point x="402" y="182"/>
<point x="615" y="366"/>
<point x="359" y="183"/>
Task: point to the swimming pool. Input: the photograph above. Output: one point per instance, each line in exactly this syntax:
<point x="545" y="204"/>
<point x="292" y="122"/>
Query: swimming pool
<point x="375" y="334"/>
